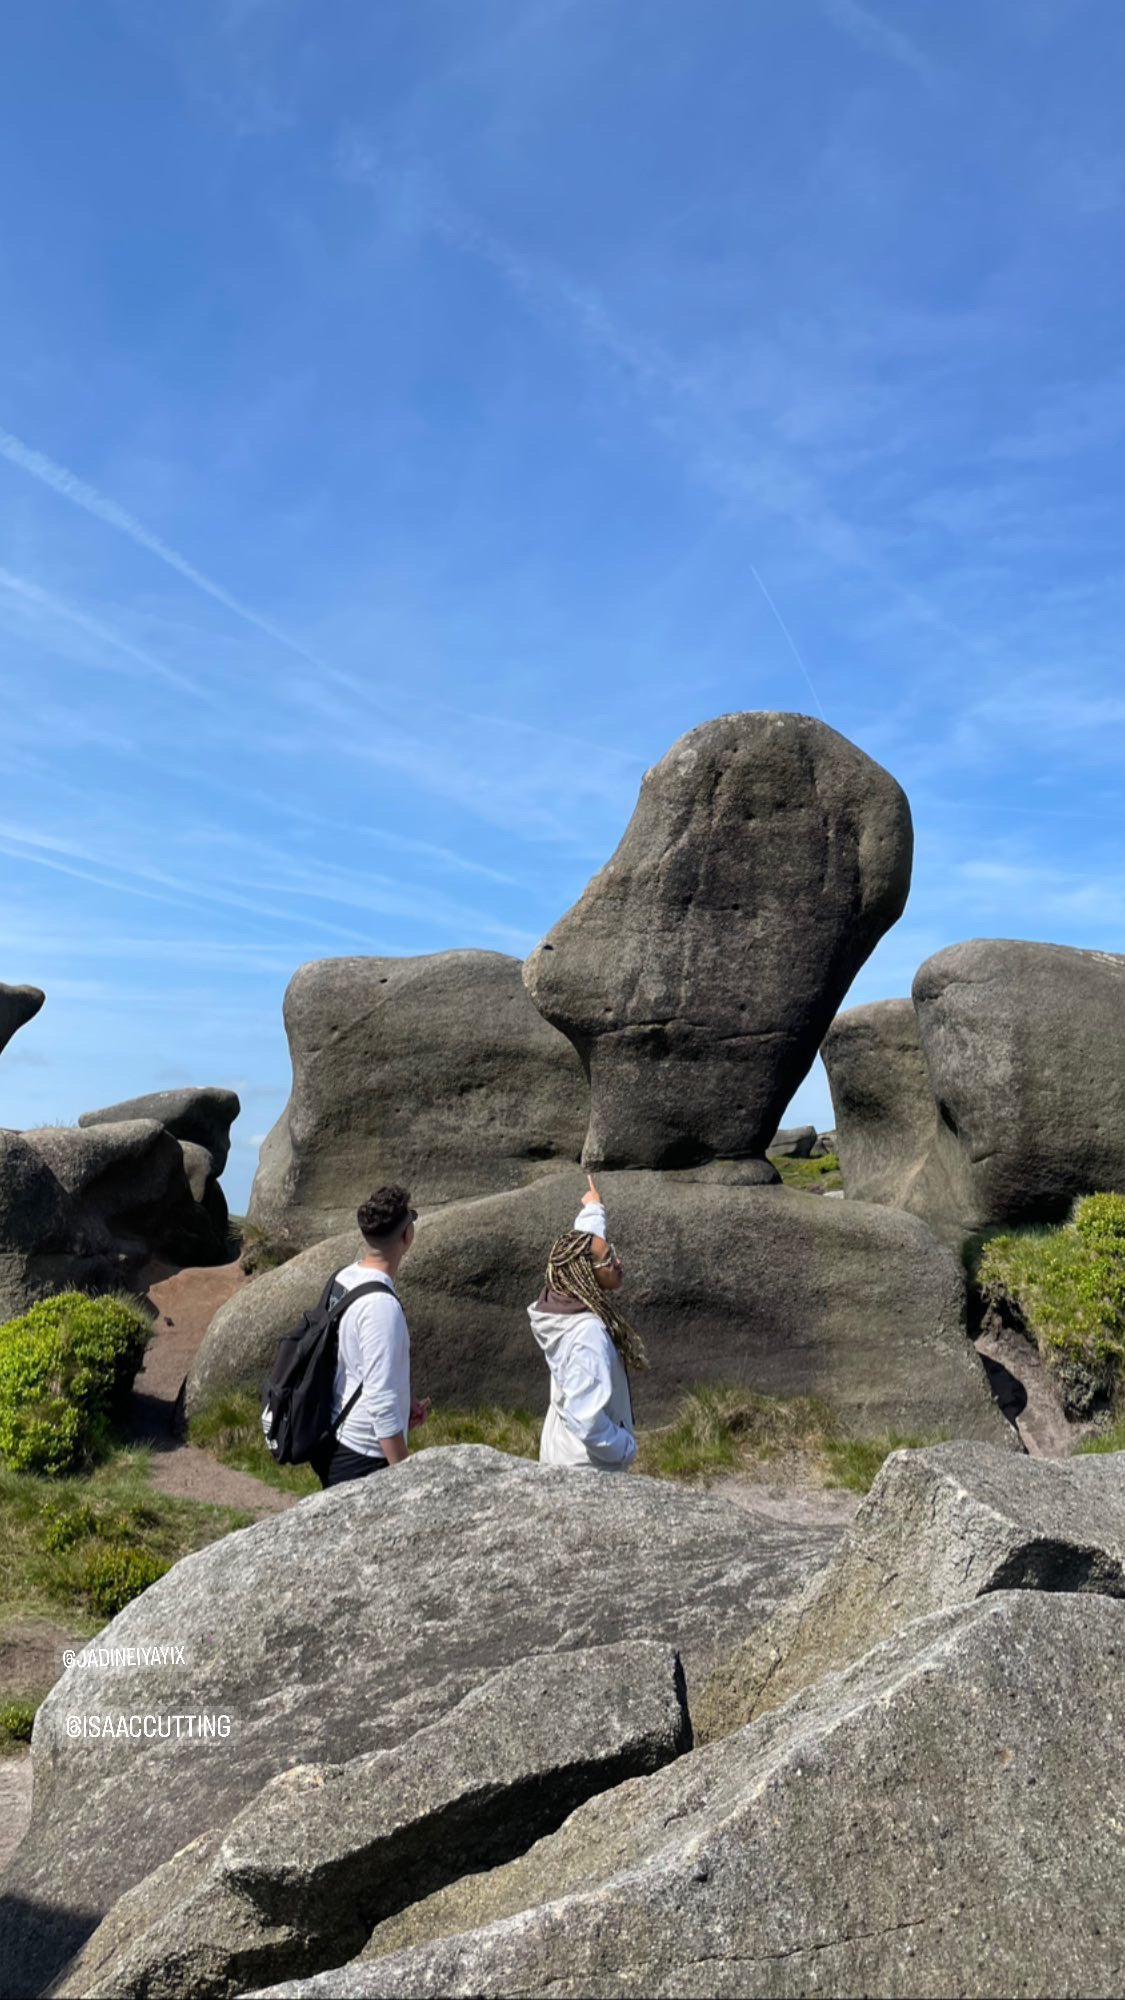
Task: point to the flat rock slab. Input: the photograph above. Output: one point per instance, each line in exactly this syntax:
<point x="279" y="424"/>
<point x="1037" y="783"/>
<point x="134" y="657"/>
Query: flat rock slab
<point x="938" y="1528"/>
<point x="346" y="1624"/>
<point x="858" y="1304"/>
<point x="327" y="1851"/>
<point x="944" y="1818"/>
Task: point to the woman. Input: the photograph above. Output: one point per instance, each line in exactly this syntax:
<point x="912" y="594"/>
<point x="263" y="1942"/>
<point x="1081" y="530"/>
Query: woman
<point x="589" y="1347"/>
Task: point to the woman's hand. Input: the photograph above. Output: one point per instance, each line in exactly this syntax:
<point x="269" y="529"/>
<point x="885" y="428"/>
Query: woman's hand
<point x="418" y="1413"/>
<point x="591" y="1195"/>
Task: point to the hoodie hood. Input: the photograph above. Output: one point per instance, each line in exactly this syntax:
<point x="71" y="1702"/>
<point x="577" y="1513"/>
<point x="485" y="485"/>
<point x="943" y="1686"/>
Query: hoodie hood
<point x="553" y="1316"/>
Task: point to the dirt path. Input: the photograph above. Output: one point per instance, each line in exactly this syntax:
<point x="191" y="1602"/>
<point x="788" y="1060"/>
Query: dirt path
<point x="185" y="1303"/>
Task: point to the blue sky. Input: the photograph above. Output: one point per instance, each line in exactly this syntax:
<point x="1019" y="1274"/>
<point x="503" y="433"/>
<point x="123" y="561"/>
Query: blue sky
<point x="416" y="414"/>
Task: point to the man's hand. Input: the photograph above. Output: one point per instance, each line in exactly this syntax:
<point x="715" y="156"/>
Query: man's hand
<point x="419" y="1411"/>
<point x="591" y="1194"/>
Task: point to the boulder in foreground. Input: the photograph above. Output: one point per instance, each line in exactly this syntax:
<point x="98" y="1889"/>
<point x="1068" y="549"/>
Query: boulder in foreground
<point x="943" y="1818"/>
<point x="346" y="1624"/>
<point x="325" y="1851"/>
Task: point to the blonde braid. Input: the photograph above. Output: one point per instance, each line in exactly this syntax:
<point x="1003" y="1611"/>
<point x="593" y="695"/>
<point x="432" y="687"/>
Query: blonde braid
<point x="570" y="1269"/>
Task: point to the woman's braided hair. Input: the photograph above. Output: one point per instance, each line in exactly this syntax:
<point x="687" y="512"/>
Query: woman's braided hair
<point x="570" y="1269"/>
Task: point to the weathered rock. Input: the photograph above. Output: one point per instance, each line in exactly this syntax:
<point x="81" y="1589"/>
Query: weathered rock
<point x="858" y="1304"/>
<point x="344" y="1625"/>
<point x="46" y="1245"/>
<point x="938" y="1528"/>
<point x="18" y="1005"/>
<point x="326" y="1851"/>
<point x="940" y="1819"/>
<point x="435" y="1072"/>
<point x="128" y="1181"/>
<point x="199" y="1114"/>
<point x="793" y="1142"/>
<point x="892" y="1145"/>
<point x="1025" y="1048"/>
<point x="698" y="973"/>
<point x="826" y="1142"/>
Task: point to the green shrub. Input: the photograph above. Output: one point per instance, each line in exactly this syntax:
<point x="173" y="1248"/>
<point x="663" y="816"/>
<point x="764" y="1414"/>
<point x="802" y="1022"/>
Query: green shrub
<point x="66" y="1368"/>
<point x="17" y="1719"/>
<point x="1065" y="1288"/>
<point x="112" y="1576"/>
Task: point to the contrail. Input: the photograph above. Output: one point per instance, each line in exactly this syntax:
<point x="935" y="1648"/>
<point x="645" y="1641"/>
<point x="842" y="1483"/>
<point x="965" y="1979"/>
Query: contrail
<point x="33" y="594"/>
<point x="69" y="487"/>
<point x="790" y="641"/>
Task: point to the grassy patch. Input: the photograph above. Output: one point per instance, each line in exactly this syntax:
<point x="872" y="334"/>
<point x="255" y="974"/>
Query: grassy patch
<point x="808" y="1173"/>
<point x="1111" y="1439"/>
<point x="720" y="1428"/>
<point x="1065" y="1288"/>
<point x="17" y="1717"/>
<point x="258" y="1251"/>
<point x="80" y="1548"/>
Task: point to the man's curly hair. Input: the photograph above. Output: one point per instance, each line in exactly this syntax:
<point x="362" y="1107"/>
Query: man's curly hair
<point x="384" y="1215"/>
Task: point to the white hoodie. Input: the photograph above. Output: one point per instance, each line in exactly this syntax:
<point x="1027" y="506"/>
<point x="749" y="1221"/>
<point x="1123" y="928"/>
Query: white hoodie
<point x="590" y="1420"/>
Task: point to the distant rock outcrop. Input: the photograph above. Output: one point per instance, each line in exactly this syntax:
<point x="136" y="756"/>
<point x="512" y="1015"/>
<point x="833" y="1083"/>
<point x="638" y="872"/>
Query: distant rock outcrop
<point x="435" y="1072"/>
<point x="18" y="1005"/>
<point x="698" y="973"/>
<point x="758" y="1285"/>
<point x="994" y="1097"/>
<point x="397" y="1597"/>
<point x="46" y="1245"/>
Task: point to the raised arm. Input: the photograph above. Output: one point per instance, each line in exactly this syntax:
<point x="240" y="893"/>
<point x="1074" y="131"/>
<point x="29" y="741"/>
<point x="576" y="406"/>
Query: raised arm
<point x="591" y="1215"/>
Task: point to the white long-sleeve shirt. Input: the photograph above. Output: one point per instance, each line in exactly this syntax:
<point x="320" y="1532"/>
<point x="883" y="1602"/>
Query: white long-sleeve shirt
<point x="590" y="1419"/>
<point x="374" y="1348"/>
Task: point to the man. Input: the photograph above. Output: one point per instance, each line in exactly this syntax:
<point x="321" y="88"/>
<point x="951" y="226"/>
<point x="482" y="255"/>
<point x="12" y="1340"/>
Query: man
<point x="373" y="1351"/>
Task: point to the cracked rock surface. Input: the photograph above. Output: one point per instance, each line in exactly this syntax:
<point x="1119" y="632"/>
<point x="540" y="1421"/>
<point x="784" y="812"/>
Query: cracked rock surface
<point x="939" y="1819"/>
<point x="346" y="1624"/>
<point x="938" y="1528"/>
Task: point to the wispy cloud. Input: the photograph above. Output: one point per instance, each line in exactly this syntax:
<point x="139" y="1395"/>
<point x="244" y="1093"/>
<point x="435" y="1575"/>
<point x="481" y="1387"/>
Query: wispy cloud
<point x="59" y="479"/>
<point x="33" y="598"/>
<point x="882" y="38"/>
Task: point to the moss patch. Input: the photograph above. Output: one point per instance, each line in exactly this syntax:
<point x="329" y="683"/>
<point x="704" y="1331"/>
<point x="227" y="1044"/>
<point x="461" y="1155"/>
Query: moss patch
<point x="808" y="1173"/>
<point x="1065" y="1289"/>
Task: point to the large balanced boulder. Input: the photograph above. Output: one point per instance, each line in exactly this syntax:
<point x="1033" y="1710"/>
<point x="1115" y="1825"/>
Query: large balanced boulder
<point x="858" y="1304"/>
<point x="1025" y="1048"/>
<point x="18" y="1005"/>
<point x="434" y="1072"/>
<point x="324" y="1852"/>
<point x="938" y="1528"/>
<point x="343" y="1626"/>
<point x="698" y="972"/>
<point x="943" y="1818"/>
<point x="128" y="1181"/>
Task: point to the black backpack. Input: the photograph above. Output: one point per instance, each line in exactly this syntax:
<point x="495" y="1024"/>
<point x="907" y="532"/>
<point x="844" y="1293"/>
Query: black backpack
<point x="297" y="1394"/>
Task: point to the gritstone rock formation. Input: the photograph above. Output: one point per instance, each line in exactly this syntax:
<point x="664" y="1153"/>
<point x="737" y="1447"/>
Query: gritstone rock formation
<point x="763" y="1286"/>
<point x="941" y="1818"/>
<point x="326" y="1851"/>
<point x="46" y="1244"/>
<point x="698" y="973"/>
<point x="18" y="1004"/>
<point x="938" y="1528"/>
<point x="394" y="1598"/>
<point x="996" y="1096"/>
<point x="435" y="1072"/>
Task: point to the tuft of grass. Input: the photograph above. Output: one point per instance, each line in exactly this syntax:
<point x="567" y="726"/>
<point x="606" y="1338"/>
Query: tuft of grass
<point x="857" y="1462"/>
<point x="77" y="1549"/>
<point x="513" y="1431"/>
<point x="231" y="1430"/>
<point x="1110" y="1439"/>
<point x="808" y="1173"/>
<point x="17" y="1719"/>
<point x="257" y="1250"/>
<point x="1065" y="1288"/>
<point x="721" y="1425"/>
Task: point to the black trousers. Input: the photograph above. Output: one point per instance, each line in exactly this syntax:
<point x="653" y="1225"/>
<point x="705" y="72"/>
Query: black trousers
<point x="335" y="1463"/>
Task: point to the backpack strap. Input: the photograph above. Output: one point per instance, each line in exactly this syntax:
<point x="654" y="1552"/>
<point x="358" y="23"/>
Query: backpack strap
<point x="336" y="1315"/>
